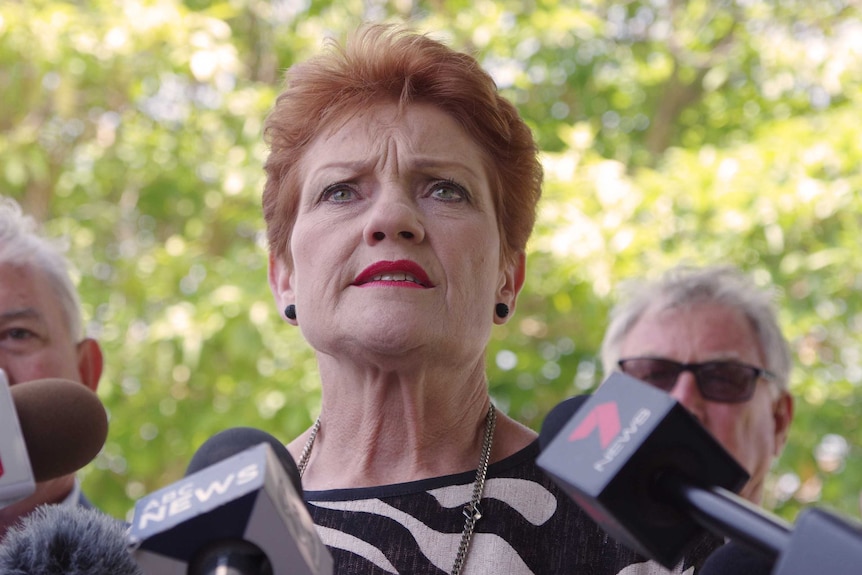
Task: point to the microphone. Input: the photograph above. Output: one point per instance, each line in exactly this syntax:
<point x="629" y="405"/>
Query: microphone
<point x="822" y="542"/>
<point x="66" y="540"/>
<point x="237" y="439"/>
<point x="646" y="470"/>
<point x="735" y="558"/>
<point x="16" y="474"/>
<point x="238" y="511"/>
<point x="48" y="428"/>
<point x="558" y="417"/>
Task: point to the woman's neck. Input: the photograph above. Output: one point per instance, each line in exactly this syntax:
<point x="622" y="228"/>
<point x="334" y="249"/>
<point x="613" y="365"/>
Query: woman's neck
<point x="382" y="427"/>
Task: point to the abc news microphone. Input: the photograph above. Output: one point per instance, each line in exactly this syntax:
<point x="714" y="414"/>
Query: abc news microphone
<point x="239" y="510"/>
<point x="646" y="471"/>
<point x="48" y="428"/>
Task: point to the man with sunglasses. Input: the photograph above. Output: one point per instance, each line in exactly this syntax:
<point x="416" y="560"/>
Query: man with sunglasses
<point x="710" y="338"/>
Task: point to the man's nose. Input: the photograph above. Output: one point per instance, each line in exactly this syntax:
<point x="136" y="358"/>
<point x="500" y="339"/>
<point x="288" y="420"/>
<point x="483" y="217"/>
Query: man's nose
<point x="686" y="391"/>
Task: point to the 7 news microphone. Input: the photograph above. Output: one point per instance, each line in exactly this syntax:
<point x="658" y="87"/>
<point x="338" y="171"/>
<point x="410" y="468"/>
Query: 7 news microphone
<point x="239" y="510"/>
<point x="647" y="472"/>
<point x="48" y="428"/>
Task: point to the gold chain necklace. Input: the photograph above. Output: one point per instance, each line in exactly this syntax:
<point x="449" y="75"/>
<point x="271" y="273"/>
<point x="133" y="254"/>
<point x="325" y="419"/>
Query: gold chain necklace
<point x="472" y="511"/>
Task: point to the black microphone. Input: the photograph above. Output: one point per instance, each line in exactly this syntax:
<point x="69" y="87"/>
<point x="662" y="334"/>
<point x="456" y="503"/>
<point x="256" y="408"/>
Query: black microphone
<point x="48" y="428"/>
<point x="238" y="510"/>
<point x="737" y="559"/>
<point x="629" y="457"/>
<point x="229" y="442"/>
<point x="558" y="417"/>
<point x="646" y="470"/>
<point x="66" y="540"/>
<point x="821" y="542"/>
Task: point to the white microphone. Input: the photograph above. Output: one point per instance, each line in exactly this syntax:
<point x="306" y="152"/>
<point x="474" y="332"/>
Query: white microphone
<point x="241" y="513"/>
<point x="16" y="474"/>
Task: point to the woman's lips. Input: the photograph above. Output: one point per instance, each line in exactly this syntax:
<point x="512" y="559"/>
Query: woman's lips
<point x="400" y="273"/>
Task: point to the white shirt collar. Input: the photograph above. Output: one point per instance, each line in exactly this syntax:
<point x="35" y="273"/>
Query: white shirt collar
<point x="74" y="495"/>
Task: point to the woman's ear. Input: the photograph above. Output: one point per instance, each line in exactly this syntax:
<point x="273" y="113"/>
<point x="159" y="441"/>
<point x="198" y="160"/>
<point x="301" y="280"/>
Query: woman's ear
<point x="511" y="281"/>
<point x="280" y="275"/>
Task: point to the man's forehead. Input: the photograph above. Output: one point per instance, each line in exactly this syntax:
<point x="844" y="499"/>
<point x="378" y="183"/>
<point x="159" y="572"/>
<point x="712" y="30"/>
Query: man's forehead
<point x="26" y="292"/>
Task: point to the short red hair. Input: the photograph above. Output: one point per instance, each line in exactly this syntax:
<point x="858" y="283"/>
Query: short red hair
<point x="381" y="64"/>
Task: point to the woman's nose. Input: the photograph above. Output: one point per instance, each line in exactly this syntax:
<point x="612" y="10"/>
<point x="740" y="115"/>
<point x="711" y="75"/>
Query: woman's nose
<point x="394" y="217"/>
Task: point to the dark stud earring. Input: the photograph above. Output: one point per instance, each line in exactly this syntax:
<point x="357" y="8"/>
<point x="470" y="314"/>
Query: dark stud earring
<point x="502" y="310"/>
<point x="290" y="312"/>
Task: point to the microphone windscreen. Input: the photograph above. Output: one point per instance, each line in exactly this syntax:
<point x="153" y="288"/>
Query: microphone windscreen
<point x="733" y="558"/>
<point x="231" y="441"/>
<point x="558" y="417"/>
<point x="63" y="422"/>
<point x="66" y="540"/>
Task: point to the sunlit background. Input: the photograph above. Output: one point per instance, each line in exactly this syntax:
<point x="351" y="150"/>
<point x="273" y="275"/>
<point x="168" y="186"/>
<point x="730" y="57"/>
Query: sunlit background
<point x="701" y="132"/>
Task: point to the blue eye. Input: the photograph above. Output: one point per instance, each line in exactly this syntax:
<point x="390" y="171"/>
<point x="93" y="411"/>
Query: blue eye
<point x="448" y="191"/>
<point x="338" y="193"/>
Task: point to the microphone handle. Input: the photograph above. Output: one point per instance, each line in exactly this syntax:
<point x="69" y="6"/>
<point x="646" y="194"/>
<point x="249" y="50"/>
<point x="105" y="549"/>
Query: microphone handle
<point x="230" y="557"/>
<point x="725" y="513"/>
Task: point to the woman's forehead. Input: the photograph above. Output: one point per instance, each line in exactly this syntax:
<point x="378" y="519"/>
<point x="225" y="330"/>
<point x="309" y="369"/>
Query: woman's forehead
<point x="422" y="133"/>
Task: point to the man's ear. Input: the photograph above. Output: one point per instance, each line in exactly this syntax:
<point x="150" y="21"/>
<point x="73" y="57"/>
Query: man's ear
<point x="90" y="362"/>
<point x="280" y="275"/>
<point x="782" y="414"/>
<point x="511" y="281"/>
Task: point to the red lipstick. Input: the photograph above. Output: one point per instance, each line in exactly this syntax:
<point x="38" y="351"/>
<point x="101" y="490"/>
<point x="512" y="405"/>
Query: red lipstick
<point x="400" y="273"/>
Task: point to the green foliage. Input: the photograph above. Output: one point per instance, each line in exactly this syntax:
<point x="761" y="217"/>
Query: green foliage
<point x="698" y="131"/>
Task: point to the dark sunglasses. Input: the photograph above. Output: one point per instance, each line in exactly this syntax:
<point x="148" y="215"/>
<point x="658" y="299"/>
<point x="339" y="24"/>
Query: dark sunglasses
<point x="722" y="381"/>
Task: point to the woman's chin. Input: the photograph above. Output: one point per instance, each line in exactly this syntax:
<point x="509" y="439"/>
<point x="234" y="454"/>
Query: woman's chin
<point x="395" y="339"/>
<point x="379" y="337"/>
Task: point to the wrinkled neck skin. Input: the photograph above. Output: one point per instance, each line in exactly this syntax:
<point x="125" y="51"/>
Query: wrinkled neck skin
<point x="47" y="492"/>
<point x="753" y="490"/>
<point x="385" y="426"/>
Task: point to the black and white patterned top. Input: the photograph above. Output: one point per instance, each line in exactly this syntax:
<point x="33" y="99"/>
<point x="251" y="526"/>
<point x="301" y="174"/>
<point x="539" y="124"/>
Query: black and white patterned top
<point x="528" y="527"/>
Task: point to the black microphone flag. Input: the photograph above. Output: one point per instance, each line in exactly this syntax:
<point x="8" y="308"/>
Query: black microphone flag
<point x="611" y="454"/>
<point x="246" y="497"/>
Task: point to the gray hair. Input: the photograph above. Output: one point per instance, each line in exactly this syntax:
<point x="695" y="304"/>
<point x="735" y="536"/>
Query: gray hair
<point x="22" y="244"/>
<point x="725" y="285"/>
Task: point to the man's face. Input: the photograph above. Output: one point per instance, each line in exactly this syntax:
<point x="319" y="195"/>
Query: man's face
<point x="753" y="431"/>
<point x="36" y="343"/>
<point x="35" y="340"/>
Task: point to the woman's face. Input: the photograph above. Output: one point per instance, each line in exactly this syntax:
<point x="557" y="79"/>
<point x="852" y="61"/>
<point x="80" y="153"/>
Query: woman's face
<point x="395" y="246"/>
